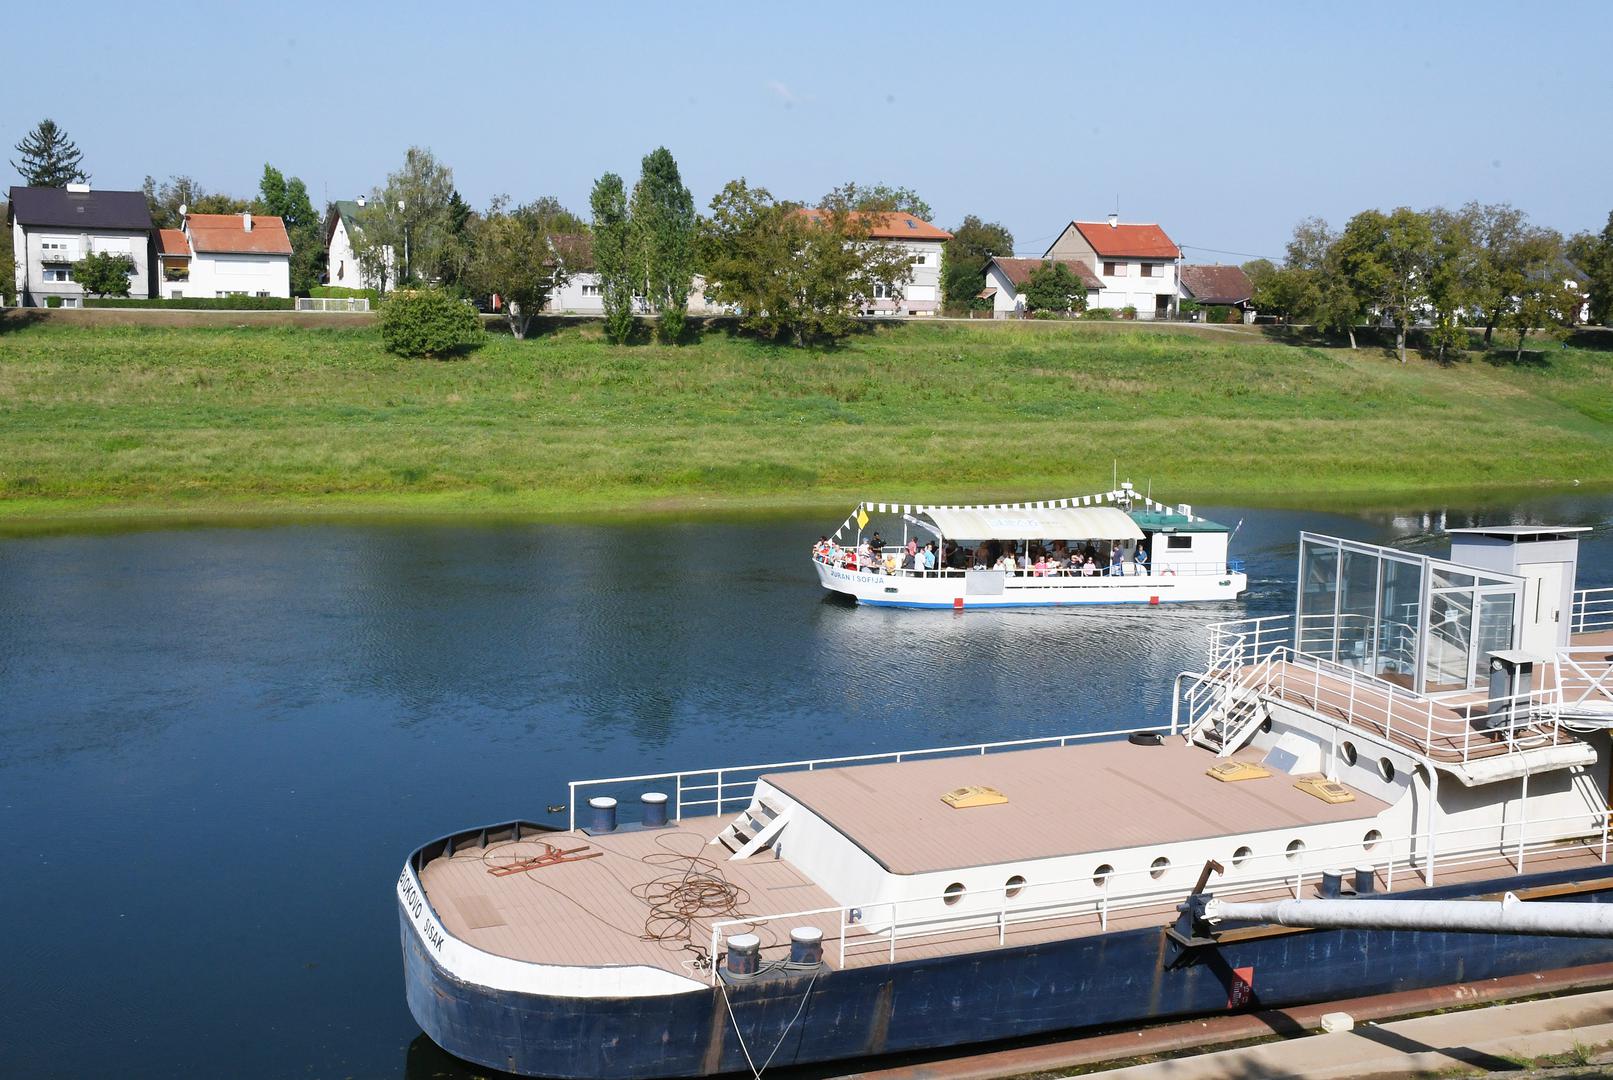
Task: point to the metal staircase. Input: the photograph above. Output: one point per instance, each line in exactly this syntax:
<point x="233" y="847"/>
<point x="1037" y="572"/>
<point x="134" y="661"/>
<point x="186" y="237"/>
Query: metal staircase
<point x="754" y="830"/>
<point x="1226" y="707"/>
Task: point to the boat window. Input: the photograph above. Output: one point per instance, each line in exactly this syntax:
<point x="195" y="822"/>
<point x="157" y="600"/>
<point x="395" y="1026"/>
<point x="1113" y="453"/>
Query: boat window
<point x="1241" y="854"/>
<point x="1296" y="848"/>
<point x="1100" y="876"/>
<point x="1386" y="768"/>
<point x="1177" y="543"/>
<point x="1015" y="885"/>
<point x="1157" y="868"/>
<point x="954" y="893"/>
<point x="1348" y="752"/>
<point x="1370" y="840"/>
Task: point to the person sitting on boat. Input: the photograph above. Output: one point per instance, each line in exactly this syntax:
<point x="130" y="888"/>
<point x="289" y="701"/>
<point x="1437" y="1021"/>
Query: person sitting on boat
<point x="1117" y="560"/>
<point x="1140" y="559"/>
<point x="983" y="559"/>
<point x="1005" y="561"/>
<point x="1040" y="566"/>
<point x="1089" y="554"/>
<point x="1089" y="568"/>
<point x="891" y="564"/>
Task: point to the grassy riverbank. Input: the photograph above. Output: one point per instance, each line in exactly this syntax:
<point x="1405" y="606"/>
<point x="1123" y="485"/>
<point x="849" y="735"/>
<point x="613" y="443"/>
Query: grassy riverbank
<point x="113" y="421"/>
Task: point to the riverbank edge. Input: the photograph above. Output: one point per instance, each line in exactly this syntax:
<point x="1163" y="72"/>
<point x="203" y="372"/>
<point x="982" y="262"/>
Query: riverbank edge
<point x="26" y="517"/>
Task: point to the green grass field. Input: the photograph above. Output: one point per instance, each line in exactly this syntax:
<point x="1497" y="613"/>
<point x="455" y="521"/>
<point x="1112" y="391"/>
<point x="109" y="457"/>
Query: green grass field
<point x="113" y="422"/>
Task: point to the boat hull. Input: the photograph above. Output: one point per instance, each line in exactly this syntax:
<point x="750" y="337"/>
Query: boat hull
<point x="1124" y="977"/>
<point x="995" y="589"/>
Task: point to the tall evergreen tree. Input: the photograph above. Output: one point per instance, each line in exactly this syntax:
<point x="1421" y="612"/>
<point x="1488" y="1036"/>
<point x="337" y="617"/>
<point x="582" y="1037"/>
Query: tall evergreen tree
<point x="663" y="237"/>
<point x="612" y="256"/>
<point x="49" y="158"/>
<point x="288" y="200"/>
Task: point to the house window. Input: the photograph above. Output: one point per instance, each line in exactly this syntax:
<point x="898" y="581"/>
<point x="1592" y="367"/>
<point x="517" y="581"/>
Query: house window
<point x="176" y="295"/>
<point x="64" y="273"/>
<point x="1114" y="269"/>
<point x="55" y="251"/>
<point x="263" y="292"/>
<point x="882" y="292"/>
<point x="1150" y="270"/>
<point x="590" y="290"/>
<point x="919" y="260"/>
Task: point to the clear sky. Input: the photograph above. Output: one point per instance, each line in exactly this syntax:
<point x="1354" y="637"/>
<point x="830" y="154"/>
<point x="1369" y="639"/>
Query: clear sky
<point x="1225" y="123"/>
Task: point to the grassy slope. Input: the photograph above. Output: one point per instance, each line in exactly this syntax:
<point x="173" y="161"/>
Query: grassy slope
<point x="108" y="420"/>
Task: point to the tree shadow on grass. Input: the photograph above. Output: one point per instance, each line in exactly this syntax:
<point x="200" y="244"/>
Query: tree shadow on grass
<point x="13" y="319"/>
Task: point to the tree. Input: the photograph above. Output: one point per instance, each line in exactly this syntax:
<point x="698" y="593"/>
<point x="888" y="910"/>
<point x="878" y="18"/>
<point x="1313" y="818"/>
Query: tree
<point x="1453" y="276"/>
<point x="288" y="200"/>
<point x="1544" y="301"/>
<point x="1387" y="259"/>
<point x="454" y="260"/>
<point x="792" y="275"/>
<point x="515" y="257"/>
<point x="406" y="223"/>
<point x="964" y="259"/>
<point x="49" y="158"/>
<point x="883" y="198"/>
<point x="1053" y="287"/>
<point x="612" y="255"/>
<point x="8" y="262"/>
<point x="662" y="237"/>
<point x="1592" y="257"/>
<point x="177" y="192"/>
<point x="102" y="273"/>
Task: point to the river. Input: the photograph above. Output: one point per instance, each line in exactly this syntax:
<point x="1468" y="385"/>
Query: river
<point x="219" y="744"/>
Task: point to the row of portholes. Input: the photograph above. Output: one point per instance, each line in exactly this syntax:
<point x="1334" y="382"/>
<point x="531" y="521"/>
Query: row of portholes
<point x="1156" y="869"/>
<point x="1386" y="768"/>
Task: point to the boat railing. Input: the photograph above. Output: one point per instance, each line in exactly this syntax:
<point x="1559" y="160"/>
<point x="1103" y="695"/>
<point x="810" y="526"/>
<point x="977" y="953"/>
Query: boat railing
<point x="1592" y="612"/>
<point x="1050" y="576"/>
<point x="885" y="928"/>
<point x="1582" y="678"/>
<point x="715" y="791"/>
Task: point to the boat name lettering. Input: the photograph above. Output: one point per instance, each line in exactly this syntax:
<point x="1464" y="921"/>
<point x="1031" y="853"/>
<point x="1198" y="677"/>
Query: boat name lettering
<point x="417" y="911"/>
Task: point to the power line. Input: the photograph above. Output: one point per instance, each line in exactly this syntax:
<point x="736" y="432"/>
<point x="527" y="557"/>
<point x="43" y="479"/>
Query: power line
<point x="1240" y="254"/>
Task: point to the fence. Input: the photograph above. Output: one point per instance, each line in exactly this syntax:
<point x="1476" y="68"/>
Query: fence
<point x="330" y="303"/>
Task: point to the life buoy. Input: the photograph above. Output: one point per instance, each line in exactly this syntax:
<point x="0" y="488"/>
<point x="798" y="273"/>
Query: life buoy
<point x="1167" y="572"/>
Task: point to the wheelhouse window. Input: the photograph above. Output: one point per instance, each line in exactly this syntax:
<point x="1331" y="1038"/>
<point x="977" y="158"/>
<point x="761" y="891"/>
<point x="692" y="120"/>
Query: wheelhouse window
<point x="1177" y="542"/>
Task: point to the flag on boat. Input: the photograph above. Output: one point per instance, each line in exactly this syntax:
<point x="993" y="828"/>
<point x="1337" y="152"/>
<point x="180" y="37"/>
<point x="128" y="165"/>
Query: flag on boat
<point x="862" y="518"/>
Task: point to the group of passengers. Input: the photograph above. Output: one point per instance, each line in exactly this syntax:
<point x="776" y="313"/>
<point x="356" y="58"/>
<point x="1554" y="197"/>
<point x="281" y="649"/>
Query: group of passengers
<point x="1060" y="559"/>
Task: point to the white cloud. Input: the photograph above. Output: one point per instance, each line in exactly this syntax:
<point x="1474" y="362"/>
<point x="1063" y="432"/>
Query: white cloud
<point x="784" y="93"/>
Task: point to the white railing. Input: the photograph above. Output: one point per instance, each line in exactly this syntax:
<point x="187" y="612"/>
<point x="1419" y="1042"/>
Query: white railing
<point x="1592" y="612"/>
<point x="1099" y="896"/>
<point x="1583" y="682"/>
<point x="333" y="303"/>
<point x="1031" y="577"/>
<point x="713" y="789"/>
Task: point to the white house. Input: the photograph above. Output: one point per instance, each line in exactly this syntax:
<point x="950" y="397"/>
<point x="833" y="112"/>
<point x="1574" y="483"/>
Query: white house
<point x="53" y="228"/>
<point x="1005" y="277"/>
<point x="216" y="255"/>
<point x="341" y="264"/>
<point x="1135" y="264"/>
<point x="924" y="244"/>
<point x="581" y="293"/>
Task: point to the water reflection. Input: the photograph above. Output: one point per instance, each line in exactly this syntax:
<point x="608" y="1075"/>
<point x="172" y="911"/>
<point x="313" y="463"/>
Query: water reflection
<point x="256" y="725"/>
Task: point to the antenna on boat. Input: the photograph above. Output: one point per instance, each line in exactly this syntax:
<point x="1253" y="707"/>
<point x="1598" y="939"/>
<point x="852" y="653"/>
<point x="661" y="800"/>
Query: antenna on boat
<point x="1234" y="531"/>
<point x="1114" y="474"/>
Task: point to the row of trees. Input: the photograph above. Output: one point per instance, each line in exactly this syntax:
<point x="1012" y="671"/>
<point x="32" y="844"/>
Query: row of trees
<point x="1483" y="265"/>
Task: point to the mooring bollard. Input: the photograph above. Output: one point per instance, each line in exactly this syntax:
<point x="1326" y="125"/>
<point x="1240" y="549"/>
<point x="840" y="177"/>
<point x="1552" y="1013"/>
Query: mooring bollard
<point x="601" y="814"/>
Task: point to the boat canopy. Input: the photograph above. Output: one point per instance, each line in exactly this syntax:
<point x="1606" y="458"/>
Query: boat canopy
<point x="1042" y="523"/>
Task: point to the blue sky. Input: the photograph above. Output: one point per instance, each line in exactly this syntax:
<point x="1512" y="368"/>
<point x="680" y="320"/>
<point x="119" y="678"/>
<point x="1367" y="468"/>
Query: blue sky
<point x="1224" y="123"/>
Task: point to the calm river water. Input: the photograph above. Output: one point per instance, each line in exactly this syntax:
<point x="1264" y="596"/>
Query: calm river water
<point x="217" y="745"/>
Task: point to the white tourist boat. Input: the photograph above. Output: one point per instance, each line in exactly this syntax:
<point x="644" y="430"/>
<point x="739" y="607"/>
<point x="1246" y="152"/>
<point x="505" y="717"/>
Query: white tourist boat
<point x="1112" y="547"/>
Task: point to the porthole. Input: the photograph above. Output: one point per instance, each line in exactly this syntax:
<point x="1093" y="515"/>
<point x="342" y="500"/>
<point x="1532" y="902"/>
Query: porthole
<point x="1296" y="848"/>
<point x="1014" y="886"/>
<point x="1386" y="769"/>
<point x="1100" y="876"/>
<point x="954" y="893"/>
<point x="1370" y="840"/>
<point x="1157" y="868"/>
<point x="1348" y="752"/>
<point x="1241" y="854"/>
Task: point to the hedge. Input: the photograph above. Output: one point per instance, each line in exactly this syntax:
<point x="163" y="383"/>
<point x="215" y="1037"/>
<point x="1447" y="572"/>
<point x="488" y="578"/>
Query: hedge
<point x="338" y="292"/>
<point x="203" y="303"/>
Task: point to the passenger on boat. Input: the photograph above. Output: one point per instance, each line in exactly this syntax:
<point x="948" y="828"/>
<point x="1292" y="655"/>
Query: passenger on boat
<point x="1140" y="559"/>
<point x="877" y="543"/>
<point x="1089" y="553"/>
<point x="1117" y="559"/>
<point x="1089" y="567"/>
<point x="928" y="555"/>
<point x="912" y="547"/>
<point x="1040" y="565"/>
<point x="908" y="562"/>
<point x="891" y="565"/>
<point x="1005" y="561"/>
<point x="983" y="559"/>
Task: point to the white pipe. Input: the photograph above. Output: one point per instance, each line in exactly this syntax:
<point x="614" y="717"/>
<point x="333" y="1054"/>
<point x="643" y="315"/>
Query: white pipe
<point x="1508" y="916"/>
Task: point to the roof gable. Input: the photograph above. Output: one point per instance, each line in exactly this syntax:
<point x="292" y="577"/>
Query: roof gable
<point x="1127" y="241"/>
<point x="1018" y="271"/>
<point x="1217" y="284"/>
<point x="172" y="242"/>
<point x="226" y="234"/>
<point x="50" y="207"/>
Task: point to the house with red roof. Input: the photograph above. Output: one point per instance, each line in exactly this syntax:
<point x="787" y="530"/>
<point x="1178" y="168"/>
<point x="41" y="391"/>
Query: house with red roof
<point x="1005" y="278"/>
<point x="924" y="243"/>
<point x="212" y="255"/>
<point x="1135" y="264"/>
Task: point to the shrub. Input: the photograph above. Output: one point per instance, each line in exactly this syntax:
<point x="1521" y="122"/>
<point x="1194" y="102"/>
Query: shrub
<point x="429" y="322"/>
<point x="337" y="292"/>
<point x="1043" y="313"/>
<point x="202" y="303"/>
<point x="1128" y="312"/>
<point x="53" y="301"/>
<point x="1098" y="313"/>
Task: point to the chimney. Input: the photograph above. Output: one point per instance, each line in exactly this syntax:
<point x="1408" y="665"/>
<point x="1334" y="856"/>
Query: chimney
<point x="79" y="188"/>
<point x="246" y="220"/>
<point x="1114" y="219"/>
<point x="363" y="200"/>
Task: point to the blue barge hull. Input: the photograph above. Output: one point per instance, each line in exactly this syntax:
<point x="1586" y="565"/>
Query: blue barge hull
<point x="1123" y="977"/>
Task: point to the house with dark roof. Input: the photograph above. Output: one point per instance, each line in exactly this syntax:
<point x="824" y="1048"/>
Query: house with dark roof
<point x="341" y="264"/>
<point x="216" y="255"/>
<point x="1136" y="263"/>
<point x="53" y="228"/>
<point x="1005" y="277"/>
<point x="924" y="244"/>
<point x="1219" y="286"/>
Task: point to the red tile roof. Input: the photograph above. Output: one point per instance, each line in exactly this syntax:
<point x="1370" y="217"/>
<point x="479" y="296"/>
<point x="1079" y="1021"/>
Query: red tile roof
<point x="1127" y="241"/>
<point x="172" y="242"/>
<point x="1018" y="271"/>
<point x="892" y="226"/>
<point x="1217" y="284"/>
<point x="226" y="233"/>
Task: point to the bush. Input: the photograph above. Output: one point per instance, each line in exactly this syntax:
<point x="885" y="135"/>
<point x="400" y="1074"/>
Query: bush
<point x="53" y="301"/>
<point x="337" y="292"/>
<point x="1098" y="313"/>
<point x="1128" y="312"/>
<point x="429" y="322"/>
<point x="201" y="303"/>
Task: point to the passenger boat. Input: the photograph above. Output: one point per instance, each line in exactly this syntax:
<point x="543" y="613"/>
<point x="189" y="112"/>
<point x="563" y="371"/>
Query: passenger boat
<point x="1418" y="728"/>
<point x="1020" y="554"/>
